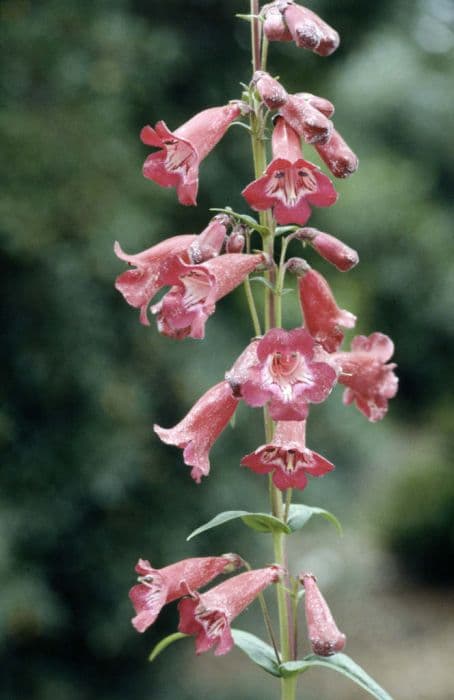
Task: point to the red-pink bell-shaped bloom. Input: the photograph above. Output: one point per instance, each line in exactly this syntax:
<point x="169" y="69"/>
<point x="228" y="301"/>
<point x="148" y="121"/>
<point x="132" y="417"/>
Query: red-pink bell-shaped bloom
<point x="156" y="266"/>
<point x="369" y="380"/>
<point x="177" y="162"/>
<point x="322" y="317"/>
<point x="184" y="310"/>
<point x="324" y="636"/>
<point x="286" y="377"/>
<point x="157" y="587"/>
<point x="288" y="458"/>
<point x="330" y="248"/>
<point x="309" y="31"/>
<point x="338" y="156"/>
<point x="308" y="122"/>
<point x="201" y="427"/>
<point x="208" y="616"/>
<point x="290" y="183"/>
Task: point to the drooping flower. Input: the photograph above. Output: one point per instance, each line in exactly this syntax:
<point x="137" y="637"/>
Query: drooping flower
<point x="155" y="267"/>
<point x="177" y="162"/>
<point x="184" y="310"/>
<point x="308" y="121"/>
<point x="288" y="458"/>
<point x="157" y="587"/>
<point x="286" y="375"/>
<point x="322" y="317"/>
<point x="201" y="427"/>
<point x="330" y="248"/>
<point x="369" y="380"/>
<point x="239" y="373"/>
<point x="290" y="183"/>
<point x="208" y="616"/>
<point x="324" y="636"/>
<point x="309" y="31"/>
<point x="338" y="156"/>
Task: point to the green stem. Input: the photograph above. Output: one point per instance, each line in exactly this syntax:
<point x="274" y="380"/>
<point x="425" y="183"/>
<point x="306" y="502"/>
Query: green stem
<point x="272" y="318"/>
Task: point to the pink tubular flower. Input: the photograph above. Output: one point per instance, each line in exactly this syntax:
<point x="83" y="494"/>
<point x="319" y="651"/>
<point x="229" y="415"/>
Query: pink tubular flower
<point x="309" y="31"/>
<point x="184" y="310"/>
<point x="177" y="162"/>
<point x="288" y="457"/>
<point x="286" y="376"/>
<point x="240" y="370"/>
<point x="308" y="121"/>
<point x="201" y="427"/>
<point x="290" y="183"/>
<point x="157" y="587"/>
<point x="338" y="156"/>
<point x="155" y="267"/>
<point x="322" y="316"/>
<point x="330" y="248"/>
<point x="369" y="380"/>
<point x="324" y="635"/>
<point x="208" y="616"/>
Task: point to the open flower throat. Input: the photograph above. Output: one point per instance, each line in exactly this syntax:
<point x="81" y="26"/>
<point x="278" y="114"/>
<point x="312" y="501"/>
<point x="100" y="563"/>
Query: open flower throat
<point x="291" y="183"/>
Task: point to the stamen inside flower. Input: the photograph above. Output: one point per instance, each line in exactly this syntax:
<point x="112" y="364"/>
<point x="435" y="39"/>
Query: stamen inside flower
<point x="178" y="155"/>
<point x="290" y="185"/>
<point x="287" y="369"/>
<point x="196" y="288"/>
<point x="214" y="622"/>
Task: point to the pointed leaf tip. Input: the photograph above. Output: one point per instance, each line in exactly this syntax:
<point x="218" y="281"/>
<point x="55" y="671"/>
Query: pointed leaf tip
<point x="261" y="522"/>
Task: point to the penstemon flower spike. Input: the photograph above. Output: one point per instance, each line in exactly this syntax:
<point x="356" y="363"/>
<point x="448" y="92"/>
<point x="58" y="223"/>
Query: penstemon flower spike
<point x="284" y="371"/>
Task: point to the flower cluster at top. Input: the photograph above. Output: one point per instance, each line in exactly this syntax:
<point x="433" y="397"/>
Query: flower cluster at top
<point x="284" y="371"/>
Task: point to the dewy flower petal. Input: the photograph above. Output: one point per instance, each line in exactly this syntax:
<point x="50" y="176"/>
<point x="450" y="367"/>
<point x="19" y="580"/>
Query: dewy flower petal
<point x="157" y="587"/>
<point x="369" y="380"/>
<point x="270" y="90"/>
<point x="308" y="122"/>
<point x="184" y="310"/>
<point x="322" y="317"/>
<point x="208" y="616"/>
<point x="287" y="457"/>
<point x="286" y="376"/>
<point x="309" y="31"/>
<point x="155" y="267"/>
<point x="338" y="156"/>
<point x="201" y="427"/>
<point x="290" y="183"/>
<point x="177" y="162"/>
<point x="274" y="26"/>
<point x="330" y="248"/>
<point x="324" y="636"/>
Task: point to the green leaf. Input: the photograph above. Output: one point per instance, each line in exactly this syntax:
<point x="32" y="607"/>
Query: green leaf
<point x="164" y="643"/>
<point x="282" y="230"/>
<point x="342" y="664"/>
<point x="262" y="280"/>
<point x="262" y="522"/>
<point x="299" y="515"/>
<point x="258" y="651"/>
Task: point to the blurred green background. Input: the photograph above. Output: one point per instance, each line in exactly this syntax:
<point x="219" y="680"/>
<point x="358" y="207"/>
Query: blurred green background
<point x="86" y="486"/>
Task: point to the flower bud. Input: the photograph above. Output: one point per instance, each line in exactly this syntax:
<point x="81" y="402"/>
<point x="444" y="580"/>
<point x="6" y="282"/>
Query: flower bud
<point x="270" y="90"/>
<point x="338" y="156"/>
<point x="236" y="240"/>
<point x="324" y="636"/>
<point x="274" y="26"/>
<point x="297" y="266"/>
<point x="330" y="248"/>
<point x="309" y="31"/>
<point x="321" y="103"/>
